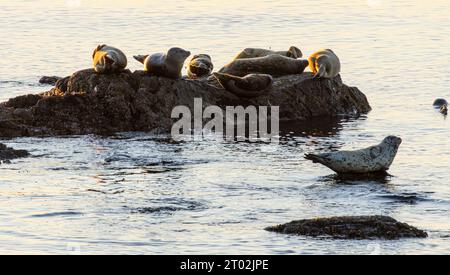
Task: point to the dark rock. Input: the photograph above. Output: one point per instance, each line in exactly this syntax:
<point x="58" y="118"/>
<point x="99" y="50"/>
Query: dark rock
<point x="91" y="103"/>
<point x="356" y="227"/>
<point x="7" y="153"/>
<point x="49" y="80"/>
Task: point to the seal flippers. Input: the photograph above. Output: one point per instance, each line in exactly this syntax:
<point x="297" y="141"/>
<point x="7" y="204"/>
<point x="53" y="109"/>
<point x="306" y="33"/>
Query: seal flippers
<point x="140" y="58"/>
<point x="321" y="72"/>
<point x="99" y="47"/>
<point x="295" y="52"/>
<point x="444" y="110"/>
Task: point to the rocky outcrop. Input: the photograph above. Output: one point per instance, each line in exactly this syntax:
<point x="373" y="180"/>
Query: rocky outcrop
<point x="49" y="80"/>
<point x="91" y="103"/>
<point x="7" y="154"/>
<point x="357" y="227"/>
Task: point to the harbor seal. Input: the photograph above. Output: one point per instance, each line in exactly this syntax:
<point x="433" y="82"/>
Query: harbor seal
<point x="250" y="86"/>
<point x="324" y="64"/>
<point x="167" y="65"/>
<point x="107" y="59"/>
<point x="274" y="65"/>
<point x="200" y="66"/>
<point x="370" y="160"/>
<point x="442" y="105"/>
<point x="293" y="52"/>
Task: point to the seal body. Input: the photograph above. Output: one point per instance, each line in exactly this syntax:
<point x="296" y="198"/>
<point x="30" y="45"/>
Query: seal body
<point x="107" y="59"/>
<point x="250" y="86"/>
<point x="200" y="66"/>
<point x="370" y="160"/>
<point x="324" y="64"/>
<point x="274" y="64"/>
<point x="167" y="65"/>
<point x="293" y="52"/>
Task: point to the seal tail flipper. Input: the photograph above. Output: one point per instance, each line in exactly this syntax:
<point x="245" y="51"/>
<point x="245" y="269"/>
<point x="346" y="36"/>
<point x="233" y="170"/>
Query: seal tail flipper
<point x="99" y="47"/>
<point x="140" y="58"/>
<point x="295" y="52"/>
<point x="315" y="158"/>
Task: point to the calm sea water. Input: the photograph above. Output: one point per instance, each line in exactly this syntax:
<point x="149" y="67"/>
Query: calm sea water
<point x="138" y="193"/>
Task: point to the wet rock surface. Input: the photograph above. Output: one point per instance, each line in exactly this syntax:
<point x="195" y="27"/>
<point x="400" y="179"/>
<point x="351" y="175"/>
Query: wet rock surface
<point x="91" y="103"/>
<point x="7" y="154"/>
<point x="352" y="227"/>
<point x="49" y="80"/>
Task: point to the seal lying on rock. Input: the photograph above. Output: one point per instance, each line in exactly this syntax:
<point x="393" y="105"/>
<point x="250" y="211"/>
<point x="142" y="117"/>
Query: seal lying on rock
<point x="108" y="59"/>
<point x="324" y="64"/>
<point x="252" y="85"/>
<point x="167" y="65"/>
<point x="370" y="160"/>
<point x="200" y="66"/>
<point x="357" y="227"/>
<point x="442" y="105"/>
<point x="293" y="52"/>
<point x="274" y="64"/>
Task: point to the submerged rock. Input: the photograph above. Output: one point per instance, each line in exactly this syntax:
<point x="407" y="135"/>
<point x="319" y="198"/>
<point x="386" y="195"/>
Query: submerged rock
<point x="49" y="80"/>
<point x="356" y="227"/>
<point x="7" y="154"/>
<point x="91" y="103"/>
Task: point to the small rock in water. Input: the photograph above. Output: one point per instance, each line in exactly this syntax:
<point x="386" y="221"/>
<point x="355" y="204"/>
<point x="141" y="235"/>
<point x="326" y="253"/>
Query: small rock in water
<point x="7" y="154"/>
<point x="49" y="80"/>
<point x="351" y="227"/>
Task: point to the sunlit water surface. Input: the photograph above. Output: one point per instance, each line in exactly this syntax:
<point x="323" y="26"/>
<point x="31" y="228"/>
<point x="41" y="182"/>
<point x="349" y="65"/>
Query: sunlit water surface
<point x="138" y="193"/>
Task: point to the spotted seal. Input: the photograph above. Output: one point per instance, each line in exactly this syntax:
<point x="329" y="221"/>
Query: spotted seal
<point x="107" y="59"/>
<point x="249" y="86"/>
<point x="167" y="65"/>
<point x="324" y="64"/>
<point x="273" y="64"/>
<point x="370" y="160"/>
<point x="200" y="66"/>
<point x="293" y="52"/>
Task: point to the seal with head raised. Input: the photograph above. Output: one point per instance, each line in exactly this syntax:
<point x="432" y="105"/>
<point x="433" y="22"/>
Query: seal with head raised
<point x="293" y="52"/>
<point x="324" y="64"/>
<point x="370" y="160"/>
<point x="200" y="66"/>
<point x="167" y="65"/>
<point x="274" y="64"/>
<point x="107" y="59"/>
<point x="249" y="86"/>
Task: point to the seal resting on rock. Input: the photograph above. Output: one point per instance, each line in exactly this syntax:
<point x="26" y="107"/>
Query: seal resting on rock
<point x="442" y="105"/>
<point x="375" y="159"/>
<point x="250" y="86"/>
<point x="274" y="64"/>
<point x="324" y="64"/>
<point x="293" y="52"/>
<point x="108" y="59"/>
<point x="167" y="65"/>
<point x="200" y="66"/>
